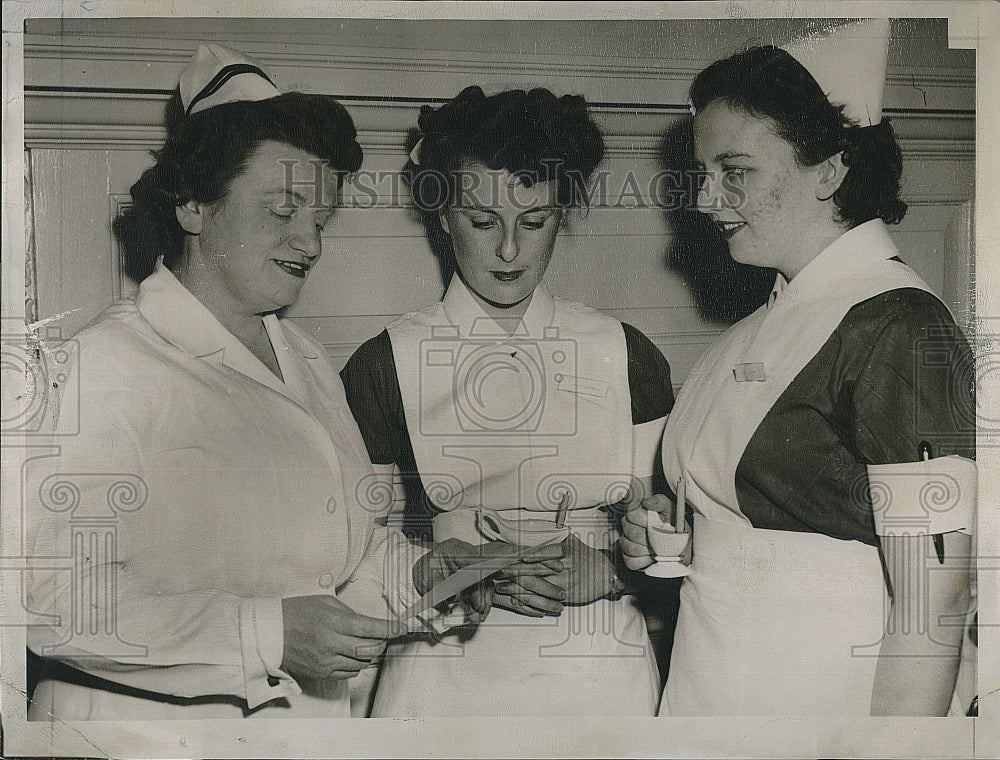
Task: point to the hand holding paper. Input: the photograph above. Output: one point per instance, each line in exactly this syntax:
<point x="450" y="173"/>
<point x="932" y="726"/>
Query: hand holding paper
<point x="587" y="575"/>
<point x="455" y="567"/>
<point x="324" y="638"/>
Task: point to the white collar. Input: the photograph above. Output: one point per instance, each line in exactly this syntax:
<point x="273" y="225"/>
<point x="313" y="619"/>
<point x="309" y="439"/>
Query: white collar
<point x="859" y="247"/>
<point x="464" y="311"/>
<point x="185" y="322"/>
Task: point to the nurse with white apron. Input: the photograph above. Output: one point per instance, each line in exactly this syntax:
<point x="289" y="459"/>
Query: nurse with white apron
<point x="830" y="559"/>
<point x="505" y="397"/>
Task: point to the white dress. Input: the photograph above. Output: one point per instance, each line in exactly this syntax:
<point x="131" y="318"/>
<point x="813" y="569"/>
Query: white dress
<point x="194" y="491"/>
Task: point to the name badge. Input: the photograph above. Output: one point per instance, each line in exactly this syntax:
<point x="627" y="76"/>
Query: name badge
<point x="582" y="386"/>
<point x="752" y="372"/>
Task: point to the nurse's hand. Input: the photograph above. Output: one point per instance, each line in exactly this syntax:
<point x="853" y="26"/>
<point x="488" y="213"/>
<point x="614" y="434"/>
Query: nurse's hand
<point x="587" y="575"/>
<point x="324" y="638"/>
<point x="634" y="541"/>
<point x="453" y="554"/>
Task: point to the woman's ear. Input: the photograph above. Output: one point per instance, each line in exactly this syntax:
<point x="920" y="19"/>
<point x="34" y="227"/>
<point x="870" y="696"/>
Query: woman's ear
<point x="191" y="217"/>
<point x="831" y="175"/>
<point x="443" y="218"/>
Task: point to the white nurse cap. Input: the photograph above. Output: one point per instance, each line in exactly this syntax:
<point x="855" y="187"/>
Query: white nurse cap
<point x="848" y="61"/>
<point x="218" y="75"/>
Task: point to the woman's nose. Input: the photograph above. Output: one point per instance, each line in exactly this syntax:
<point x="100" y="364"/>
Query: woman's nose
<point x="708" y="199"/>
<point x="508" y="246"/>
<point x="308" y="242"/>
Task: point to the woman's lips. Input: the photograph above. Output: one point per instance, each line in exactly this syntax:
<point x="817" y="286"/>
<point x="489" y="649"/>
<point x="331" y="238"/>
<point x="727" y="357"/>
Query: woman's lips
<point x="507" y="276"/>
<point x="294" y="268"/>
<point x="728" y="229"/>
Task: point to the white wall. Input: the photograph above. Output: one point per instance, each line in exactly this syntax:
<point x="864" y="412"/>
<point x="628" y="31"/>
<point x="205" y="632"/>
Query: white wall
<point x="95" y="92"/>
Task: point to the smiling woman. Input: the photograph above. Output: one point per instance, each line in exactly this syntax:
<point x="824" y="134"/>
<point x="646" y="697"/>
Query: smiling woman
<point x="249" y="253"/>
<point x="808" y="594"/>
<point x="246" y="555"/>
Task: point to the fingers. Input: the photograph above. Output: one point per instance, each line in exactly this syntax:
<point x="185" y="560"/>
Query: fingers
<point x="634" y="525"/>
<point x="517" y="606"/>
<point x="345" y="657"/>
<point x="636" y="555"/>
<point x="657" y="503"/>
<point x="531" y="585"/>
<point x="544" y="598"/>
<point x="350" y="623"/>
<point x="527" y="604"/>
<point x="522" y="569"/>
<point x="478" y="599"/>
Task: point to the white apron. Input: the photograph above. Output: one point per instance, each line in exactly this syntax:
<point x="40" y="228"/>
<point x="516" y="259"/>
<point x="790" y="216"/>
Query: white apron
<point x="512" y="423"/>
<point x="773" y="622"/>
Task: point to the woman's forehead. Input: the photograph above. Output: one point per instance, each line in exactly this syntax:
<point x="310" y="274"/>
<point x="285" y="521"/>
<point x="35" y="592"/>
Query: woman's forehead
<point x="277" y="167"/>
<point x="478" y="186"/>
<point x="721" y="131"/>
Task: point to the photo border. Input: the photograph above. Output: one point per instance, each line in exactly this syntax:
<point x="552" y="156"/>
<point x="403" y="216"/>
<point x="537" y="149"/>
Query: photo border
<point x="971" y="24"/>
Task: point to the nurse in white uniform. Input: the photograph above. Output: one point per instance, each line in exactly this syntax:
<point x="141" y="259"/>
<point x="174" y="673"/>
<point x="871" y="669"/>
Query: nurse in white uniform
<point x="506" y="397"/>
<point x="830" y="561"/>
<point x="202" y="503"/>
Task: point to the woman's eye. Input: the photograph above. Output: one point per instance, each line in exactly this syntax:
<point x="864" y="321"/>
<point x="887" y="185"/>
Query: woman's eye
<point x="484" y="224"/>
<point x="534" y="222"/>
<point x="735" y="171"/>
<point x="282" y="213"/>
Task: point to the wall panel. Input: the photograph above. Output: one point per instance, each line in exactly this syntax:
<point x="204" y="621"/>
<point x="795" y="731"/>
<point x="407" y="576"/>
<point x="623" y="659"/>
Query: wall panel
<point x="95" y="93"/>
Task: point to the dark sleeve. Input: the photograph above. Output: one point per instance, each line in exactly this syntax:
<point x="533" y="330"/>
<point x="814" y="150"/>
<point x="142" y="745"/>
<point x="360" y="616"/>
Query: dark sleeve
<point x="648" y="378"/>
<point x="895" y="372"/>
<point x="372" y="389"/>
<point x="917" y="384"/>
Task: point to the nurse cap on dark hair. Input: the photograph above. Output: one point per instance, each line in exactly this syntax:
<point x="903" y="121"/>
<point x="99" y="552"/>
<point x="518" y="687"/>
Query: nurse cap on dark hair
<point x="848" y="61"/>
<point x="218" y="75"/>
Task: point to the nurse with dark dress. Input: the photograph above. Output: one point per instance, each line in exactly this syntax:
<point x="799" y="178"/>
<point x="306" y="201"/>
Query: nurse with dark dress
<point x="507" y="397"/>
<point x="830" y="571"/>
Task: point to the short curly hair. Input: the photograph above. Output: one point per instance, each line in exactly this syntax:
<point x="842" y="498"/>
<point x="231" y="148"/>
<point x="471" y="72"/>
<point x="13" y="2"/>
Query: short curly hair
<point x="768" y="82"/>
<point x="206" y="151"/>
<point x="534" y="135"/>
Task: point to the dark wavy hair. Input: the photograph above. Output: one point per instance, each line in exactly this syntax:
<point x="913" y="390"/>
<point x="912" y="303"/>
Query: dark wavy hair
<point x="532" y="134"/>
<point x="768" y="82"/>
<point x="206" y="151"/>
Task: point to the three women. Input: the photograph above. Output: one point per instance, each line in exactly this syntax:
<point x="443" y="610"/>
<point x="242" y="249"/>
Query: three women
<point x="503" y="397"/>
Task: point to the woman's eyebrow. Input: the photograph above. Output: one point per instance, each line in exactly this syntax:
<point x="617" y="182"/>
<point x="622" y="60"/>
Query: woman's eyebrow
<point x="293" y="196"/>
<point x="538" y="210"/>
<point x="731" y="154"/>
<point x="481" y="209"/>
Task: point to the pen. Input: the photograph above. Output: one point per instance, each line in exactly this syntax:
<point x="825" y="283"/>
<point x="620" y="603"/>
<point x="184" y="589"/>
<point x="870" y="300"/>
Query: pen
<point x="562" y="509"/>
<point x="924" y="451"/>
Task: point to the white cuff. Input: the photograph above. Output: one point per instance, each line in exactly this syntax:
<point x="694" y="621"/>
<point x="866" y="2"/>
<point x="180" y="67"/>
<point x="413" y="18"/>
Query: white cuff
<point x="262" y="641"/>
<point x="645" y="445"/>
<point x="924" y="498"/>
